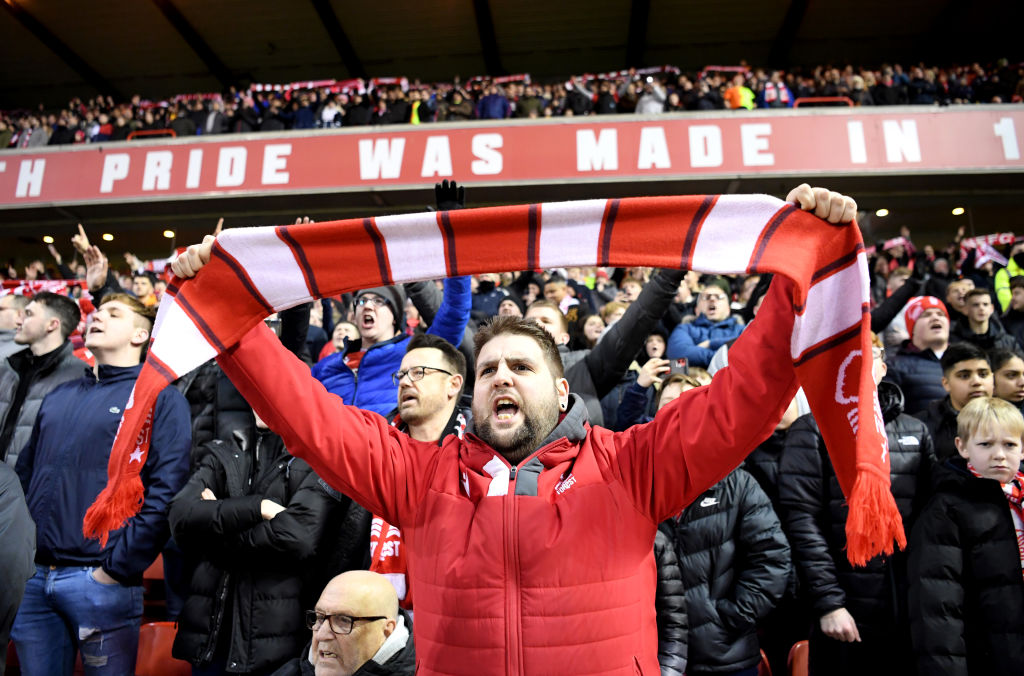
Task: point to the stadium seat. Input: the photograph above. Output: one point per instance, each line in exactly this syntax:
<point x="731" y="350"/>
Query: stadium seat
<point x="155" y="570"/>
<point x="764" y="668"/>
<point x="155" y="641"/>
<point x="798" y="656"/>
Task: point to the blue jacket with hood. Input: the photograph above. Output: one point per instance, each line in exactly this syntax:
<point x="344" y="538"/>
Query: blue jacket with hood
<point x="372" y="389"/>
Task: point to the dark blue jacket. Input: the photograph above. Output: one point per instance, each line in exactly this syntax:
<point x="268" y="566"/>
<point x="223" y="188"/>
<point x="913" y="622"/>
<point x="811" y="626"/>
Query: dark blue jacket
<point x="918" y="374"/>
<point x="493" y="107"/>
<point x="374" y="390"/>
<point x="64" y="467"/>
<point x="685" y="339"/>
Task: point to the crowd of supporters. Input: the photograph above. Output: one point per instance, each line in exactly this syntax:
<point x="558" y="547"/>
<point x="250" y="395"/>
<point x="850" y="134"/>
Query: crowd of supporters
<point x="757" y="562"/>
<point x="394" y="101"/>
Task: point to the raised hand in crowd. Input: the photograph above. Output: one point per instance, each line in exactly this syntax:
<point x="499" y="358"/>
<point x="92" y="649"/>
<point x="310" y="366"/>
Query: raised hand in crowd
<point x="134" y="262"/>
<point x="449" y="195"/>
<point x="96" y="267"/>
<point x="56" y="254"/>
<point x="193" y="258"/>
<point x="653" y="371"/>
<point x="80" y="241"/>
<point x="827" y="205"/>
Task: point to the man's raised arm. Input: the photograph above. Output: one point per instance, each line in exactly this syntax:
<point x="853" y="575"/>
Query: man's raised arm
<point x="354" y="451"/>
<point x="703" y="435"/>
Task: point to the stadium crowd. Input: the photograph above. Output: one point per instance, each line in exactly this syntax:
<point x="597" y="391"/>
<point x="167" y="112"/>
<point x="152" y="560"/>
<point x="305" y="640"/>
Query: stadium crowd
<point x="395" y="101"/>
<point x="276" y="571"/>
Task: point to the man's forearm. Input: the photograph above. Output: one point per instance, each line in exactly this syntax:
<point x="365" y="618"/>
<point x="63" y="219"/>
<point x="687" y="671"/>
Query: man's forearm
<point x="611" y="357"/>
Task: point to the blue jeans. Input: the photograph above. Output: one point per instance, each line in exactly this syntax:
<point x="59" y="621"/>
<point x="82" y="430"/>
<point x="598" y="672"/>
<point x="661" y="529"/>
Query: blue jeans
<point x="65" y="610"/>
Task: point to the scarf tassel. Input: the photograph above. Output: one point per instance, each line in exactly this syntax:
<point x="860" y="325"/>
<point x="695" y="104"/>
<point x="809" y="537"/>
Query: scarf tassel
<point x="874" y="521"/>
<point x="115" y="504"/>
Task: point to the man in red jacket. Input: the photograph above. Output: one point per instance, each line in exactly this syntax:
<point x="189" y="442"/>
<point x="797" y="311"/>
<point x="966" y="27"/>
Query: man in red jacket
<point x="530" y="541"/>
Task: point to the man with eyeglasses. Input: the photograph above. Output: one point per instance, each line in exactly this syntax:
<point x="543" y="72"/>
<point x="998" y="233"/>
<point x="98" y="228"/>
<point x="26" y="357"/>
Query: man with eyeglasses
<point x="714" y="326"/>
<point x="361" y="373"/>
<point x="430" y="383"/>
<point x="358" y="630"/>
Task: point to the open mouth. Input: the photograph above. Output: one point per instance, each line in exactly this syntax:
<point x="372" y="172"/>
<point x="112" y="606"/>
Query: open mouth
<point x="94" y="329"/>
<point x="327" y="654"/>
<point x="505" y="408"/>
<point x="407" y="397"/>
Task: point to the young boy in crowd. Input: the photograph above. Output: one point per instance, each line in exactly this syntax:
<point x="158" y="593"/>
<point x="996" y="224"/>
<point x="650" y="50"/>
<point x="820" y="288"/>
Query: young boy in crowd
<point x="967" y="549"/>
<point x="966" y="374"/>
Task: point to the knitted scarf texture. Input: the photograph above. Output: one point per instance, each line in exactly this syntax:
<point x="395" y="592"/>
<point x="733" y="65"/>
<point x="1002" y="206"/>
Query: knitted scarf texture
<point x="254" y="272"/>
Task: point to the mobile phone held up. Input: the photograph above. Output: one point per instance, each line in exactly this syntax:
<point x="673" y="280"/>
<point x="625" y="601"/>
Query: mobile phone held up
<point x="679" y="366"/>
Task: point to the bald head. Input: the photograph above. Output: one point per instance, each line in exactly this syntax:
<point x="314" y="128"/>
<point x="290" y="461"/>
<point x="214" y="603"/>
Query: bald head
<point x="355" y="594"/>
<point x="363" y="593"/>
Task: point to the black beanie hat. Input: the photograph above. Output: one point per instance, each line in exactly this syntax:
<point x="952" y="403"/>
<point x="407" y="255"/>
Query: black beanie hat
<point x="395" y="296"/>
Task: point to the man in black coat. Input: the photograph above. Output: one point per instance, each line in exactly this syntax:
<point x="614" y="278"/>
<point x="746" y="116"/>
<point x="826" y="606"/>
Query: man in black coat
<point x="861" y="611"/>
<point x="253" y="516"/>
<point x="358" y="630"/>
<point x="735" y="564"/>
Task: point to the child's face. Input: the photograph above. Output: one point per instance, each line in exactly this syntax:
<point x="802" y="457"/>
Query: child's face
<point x="966" y="380"/>
<point x="994" y="452"/>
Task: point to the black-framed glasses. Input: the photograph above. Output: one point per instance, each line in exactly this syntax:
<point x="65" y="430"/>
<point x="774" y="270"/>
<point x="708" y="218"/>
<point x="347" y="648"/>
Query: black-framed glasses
<point x="415" y="373"/>
<point x="339" y="624"/>
<point x="375" y="301"/>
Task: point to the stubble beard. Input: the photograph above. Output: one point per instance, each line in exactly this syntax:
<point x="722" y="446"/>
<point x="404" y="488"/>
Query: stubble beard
<point x="524" y="440"/>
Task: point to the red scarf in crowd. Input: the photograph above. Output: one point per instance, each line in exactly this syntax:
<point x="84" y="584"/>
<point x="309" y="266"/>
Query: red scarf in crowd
<point x="257" y="271"/>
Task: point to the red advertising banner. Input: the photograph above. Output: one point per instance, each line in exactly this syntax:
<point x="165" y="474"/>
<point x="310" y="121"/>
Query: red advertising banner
<point x="818" y="143"/>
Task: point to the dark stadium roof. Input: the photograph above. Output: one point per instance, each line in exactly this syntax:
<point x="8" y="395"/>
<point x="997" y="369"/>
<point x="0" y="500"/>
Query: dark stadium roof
<point x="55" y="49"/>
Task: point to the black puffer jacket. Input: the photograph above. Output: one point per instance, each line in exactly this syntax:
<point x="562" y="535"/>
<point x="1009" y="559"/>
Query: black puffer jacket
<point x="250" y="588"/>
<point x="670" y="604"/>
<point x="940" y="419"/>
<point x="763" y="464"/>
<point x="814" y="511"/>
<point x="735" y="563"/>
<point x="966" y="592"/>
<point x="918" y="374"/>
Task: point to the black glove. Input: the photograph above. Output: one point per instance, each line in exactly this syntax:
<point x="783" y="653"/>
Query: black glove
<point x="449" y="196"/>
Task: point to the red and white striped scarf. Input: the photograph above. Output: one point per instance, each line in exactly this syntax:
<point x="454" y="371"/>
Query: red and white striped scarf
<point x="1014" y="492"/>
<point x="256" y="271"/>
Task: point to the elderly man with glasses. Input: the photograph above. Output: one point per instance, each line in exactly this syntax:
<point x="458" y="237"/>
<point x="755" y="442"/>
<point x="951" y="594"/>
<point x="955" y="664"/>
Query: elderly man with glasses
<point x="714" y="326"/>
<point x="358" y="630"/>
